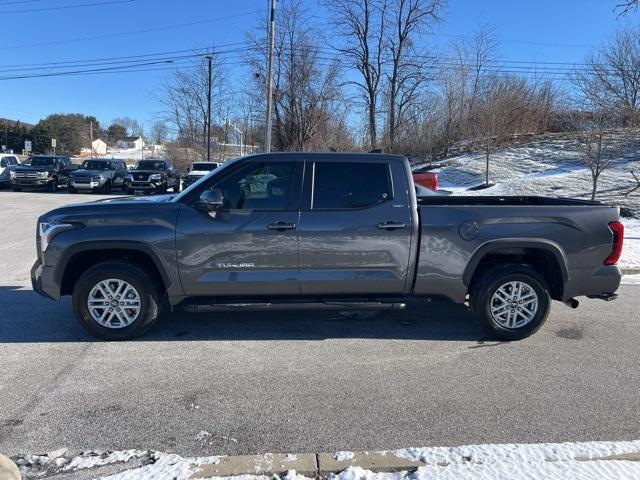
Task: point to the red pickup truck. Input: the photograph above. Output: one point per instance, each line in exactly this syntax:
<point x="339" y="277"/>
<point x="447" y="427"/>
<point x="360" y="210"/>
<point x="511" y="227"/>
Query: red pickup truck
<point x="422" y="176"/>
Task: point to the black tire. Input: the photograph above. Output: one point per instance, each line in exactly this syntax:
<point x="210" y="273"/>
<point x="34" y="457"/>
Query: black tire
<point x="106" y="188"/>
<point x="146" y="285"/>
<point x="16" y="189"/>
<point x="52" y="186"/>
<point x="483" y="290"/>
<point x="128" y="191"/>
<point x="71" y="189"/>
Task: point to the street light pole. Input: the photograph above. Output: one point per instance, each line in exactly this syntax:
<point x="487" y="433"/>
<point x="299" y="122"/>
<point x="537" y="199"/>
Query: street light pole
<point x="209" y="112"/>
<point x="272" y="26"/>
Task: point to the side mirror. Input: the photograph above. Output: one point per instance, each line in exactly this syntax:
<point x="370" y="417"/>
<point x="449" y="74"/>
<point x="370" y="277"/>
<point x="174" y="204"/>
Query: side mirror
<point x="210" y="200"/>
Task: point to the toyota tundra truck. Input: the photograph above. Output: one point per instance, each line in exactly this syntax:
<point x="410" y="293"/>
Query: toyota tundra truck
<point x="324" y="231"/>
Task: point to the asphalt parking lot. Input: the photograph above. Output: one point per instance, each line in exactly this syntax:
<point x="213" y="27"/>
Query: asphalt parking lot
<point x="294" y="382"/>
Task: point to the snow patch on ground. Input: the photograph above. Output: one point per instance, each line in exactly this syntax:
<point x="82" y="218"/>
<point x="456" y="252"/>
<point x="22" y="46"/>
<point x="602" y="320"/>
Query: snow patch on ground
<point x="165" y="467"/>
<point x="343" y="456"/>
<point x="631" y="279"/>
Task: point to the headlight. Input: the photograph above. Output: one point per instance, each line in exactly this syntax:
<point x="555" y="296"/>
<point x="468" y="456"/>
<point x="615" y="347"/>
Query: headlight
<point x="48" y="230"/>
<point x="95" y="178"/>
<point x="12" y="174"/>
<point x="155" y="176"/>
<point x="128" y="177"/>
<point x="43" y="174"/>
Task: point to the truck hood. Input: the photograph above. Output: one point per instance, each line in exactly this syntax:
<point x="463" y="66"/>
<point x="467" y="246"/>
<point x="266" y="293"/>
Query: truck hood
<point x="29" y="168"/>
<point x="87" y="173"/>
<point x="145" y="172"/>
<point x="122" y="208"/>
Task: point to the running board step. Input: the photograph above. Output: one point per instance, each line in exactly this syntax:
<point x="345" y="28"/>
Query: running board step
<point x="328" y="305"/>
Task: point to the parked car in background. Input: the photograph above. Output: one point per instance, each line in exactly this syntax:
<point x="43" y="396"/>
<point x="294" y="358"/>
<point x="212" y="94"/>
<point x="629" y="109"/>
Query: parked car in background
<point x="42" y="172"/>
<point x="422" y="175"/>
<point x="98" y="175"/>
<point x="7" y="164"/>
<point x="320" y="231"/>
<point x="197" y="171"/>
<point x="152" y="176"/>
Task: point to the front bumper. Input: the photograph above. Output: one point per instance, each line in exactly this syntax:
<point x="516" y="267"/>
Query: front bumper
<point x="144" y="187"/>
<point x="30" y="183"/>
<point x="42" y="281"/>
<point x="85" y="185"/>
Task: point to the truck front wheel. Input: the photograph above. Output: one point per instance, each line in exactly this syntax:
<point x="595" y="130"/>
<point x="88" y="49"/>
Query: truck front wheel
<point x="510" y="302"/>
<point x="117" y="301"/>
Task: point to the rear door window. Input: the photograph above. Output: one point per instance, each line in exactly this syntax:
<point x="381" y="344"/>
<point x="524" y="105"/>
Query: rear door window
<point x="350" y="185"/>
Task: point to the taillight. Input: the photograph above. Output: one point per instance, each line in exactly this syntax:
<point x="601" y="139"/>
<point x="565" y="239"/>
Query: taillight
<point x="617" y="229"/>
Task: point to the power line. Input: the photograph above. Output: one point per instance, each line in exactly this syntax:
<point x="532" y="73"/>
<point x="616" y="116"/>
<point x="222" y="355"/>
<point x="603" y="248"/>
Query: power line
<point x="132" y="32"/>
<point x="66" y="7"/>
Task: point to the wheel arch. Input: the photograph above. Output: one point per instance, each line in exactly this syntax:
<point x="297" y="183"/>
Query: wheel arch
<point x="79" y="258"/>
<point x="543" y="255"/>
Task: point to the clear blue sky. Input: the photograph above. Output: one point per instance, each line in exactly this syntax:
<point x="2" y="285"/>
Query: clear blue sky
<point x="519" y="25"/>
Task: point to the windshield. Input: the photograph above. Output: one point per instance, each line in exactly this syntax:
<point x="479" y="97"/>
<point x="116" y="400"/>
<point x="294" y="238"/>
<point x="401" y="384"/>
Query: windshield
<point x="204" y="166"/>
<point x="151" y="165"/>
<point x="40" y="161"/>
<point x="95" y="165"/>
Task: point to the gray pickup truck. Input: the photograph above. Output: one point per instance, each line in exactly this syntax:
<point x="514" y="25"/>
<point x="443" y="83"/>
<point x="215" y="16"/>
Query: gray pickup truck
<point x="324" y="230"/>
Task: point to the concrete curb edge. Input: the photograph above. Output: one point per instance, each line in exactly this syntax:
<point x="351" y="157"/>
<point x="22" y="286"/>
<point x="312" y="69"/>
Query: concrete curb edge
<point x="307" y="464"/>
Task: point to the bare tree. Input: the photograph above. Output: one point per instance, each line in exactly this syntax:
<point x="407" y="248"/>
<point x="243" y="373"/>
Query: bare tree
<point x="183" y="97"/>
<point x="307" y="94"/>
<point x="614" y="73"/>
<point x="600" y="146"/>
<point x="407" y="20"/>
<point x="500" y="105"/>
<point x="159" y="132"/>
<point x="627" y="6"/>
<point x="362" y="26"/>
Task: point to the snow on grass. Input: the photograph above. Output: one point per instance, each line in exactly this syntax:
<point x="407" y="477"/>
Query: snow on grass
<point x="630" y="258"/>
<point x="548" y="167"/>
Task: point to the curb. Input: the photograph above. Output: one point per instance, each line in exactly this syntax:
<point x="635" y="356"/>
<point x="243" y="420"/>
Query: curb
<point x="630" y="271"/>
<point x="268" y="464"/>
<point x="307" y="464"/>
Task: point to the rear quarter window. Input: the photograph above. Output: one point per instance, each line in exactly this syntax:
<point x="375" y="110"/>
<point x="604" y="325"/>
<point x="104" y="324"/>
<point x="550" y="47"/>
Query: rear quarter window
<point x="350" y="185"/>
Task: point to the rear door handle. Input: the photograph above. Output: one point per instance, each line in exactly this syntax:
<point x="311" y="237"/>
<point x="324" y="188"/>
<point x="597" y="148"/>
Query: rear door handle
<point x="281" y="226"/>
<point x="391" y="225"/>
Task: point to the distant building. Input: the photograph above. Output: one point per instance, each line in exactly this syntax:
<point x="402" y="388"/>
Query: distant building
<point x="131" y="142"/>
<point x="98" y="149"/>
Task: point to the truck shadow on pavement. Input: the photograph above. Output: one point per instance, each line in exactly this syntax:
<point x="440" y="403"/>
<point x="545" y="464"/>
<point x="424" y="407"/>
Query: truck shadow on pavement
<point x="25" y="317"/>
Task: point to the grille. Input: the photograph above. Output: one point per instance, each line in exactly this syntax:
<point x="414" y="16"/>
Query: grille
<point x="30" y="175"/>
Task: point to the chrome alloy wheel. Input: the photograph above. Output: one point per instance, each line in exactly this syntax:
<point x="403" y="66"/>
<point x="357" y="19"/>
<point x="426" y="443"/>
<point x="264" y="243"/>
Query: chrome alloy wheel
<point x="514" y="304"/>
<point x="114" y="303"/>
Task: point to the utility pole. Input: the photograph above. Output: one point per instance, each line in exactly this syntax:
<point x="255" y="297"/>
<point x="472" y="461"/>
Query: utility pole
<point x="209" y="111"/>
<point x="142" y="140"/>
<point x="272" y="44"/>
<point x="91" y="134"/>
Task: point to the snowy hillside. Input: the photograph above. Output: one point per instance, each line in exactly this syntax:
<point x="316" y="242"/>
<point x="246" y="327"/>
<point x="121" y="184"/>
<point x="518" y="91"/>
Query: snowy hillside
<point x="550" y="167"/>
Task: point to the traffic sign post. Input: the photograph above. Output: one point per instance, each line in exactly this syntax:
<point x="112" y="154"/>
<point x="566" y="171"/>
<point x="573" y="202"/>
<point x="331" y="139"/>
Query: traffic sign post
<point x="54" y="144"/>
<point x="27" y="146"/>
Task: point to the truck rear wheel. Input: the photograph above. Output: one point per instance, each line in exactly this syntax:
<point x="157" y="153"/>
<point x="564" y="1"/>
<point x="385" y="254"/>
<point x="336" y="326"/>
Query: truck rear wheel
<point x="510" y="302"/>
<point x="116" y="300"/>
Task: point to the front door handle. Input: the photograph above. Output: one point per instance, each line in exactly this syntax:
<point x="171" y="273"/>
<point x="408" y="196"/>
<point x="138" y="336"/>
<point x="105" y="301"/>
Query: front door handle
<point x="281" y="226"/>
<point x="391" y="225"/>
